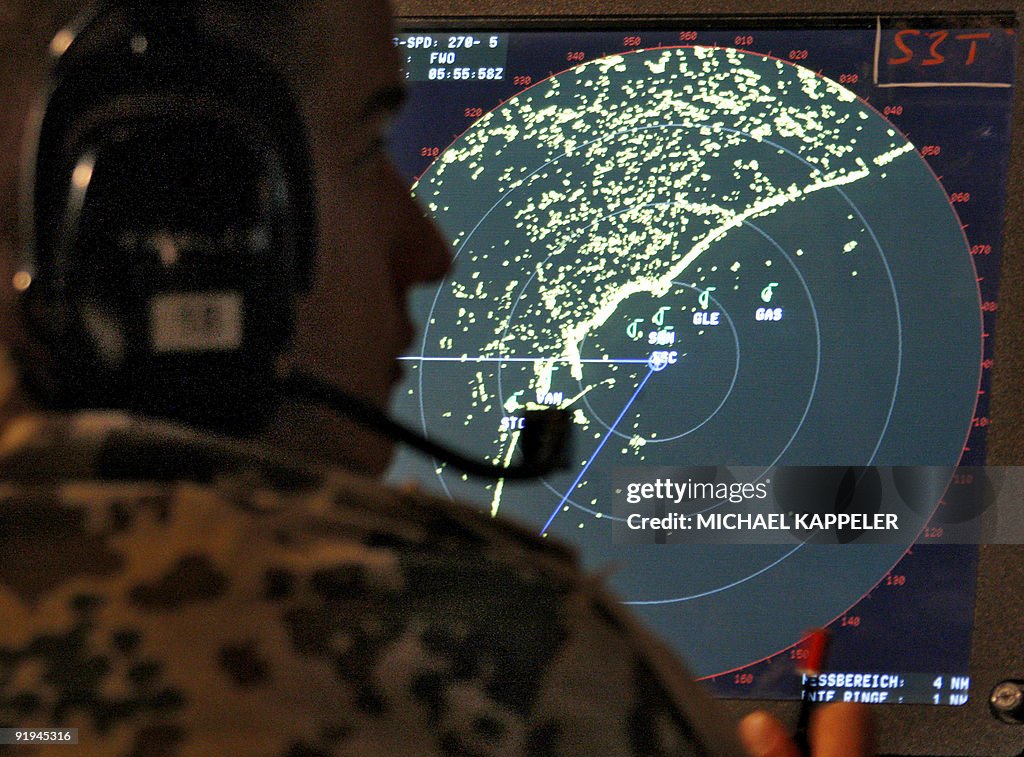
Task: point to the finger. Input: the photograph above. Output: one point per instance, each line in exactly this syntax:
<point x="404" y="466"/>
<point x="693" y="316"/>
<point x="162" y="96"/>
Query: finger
<point x="843" y="729"/>
<point x="764" y="736"/>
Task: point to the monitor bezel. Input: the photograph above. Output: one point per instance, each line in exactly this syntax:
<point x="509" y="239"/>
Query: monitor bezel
<point x="997" y="653"/>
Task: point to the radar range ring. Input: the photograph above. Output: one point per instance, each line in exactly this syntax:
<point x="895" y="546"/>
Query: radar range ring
<point x="705" y="255"/>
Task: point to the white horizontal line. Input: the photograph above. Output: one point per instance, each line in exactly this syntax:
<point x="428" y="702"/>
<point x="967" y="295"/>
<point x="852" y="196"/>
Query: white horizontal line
<point x="480" y="359"/>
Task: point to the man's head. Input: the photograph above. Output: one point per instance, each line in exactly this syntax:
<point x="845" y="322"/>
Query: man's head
<point x="374" y="243"/>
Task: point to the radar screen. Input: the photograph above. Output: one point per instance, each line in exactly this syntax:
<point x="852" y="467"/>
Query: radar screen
<point x="758" y="247"/>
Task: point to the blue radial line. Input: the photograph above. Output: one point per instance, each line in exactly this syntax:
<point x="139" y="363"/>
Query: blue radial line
<point x="600" y="446"/>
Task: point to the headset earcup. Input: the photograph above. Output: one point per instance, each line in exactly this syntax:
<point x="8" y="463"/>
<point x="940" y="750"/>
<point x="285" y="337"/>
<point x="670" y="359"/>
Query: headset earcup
<point x="198" y="212"/>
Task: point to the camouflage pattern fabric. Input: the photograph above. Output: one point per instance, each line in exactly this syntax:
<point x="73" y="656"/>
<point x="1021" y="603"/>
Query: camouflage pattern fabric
<point x="168" y="593"/>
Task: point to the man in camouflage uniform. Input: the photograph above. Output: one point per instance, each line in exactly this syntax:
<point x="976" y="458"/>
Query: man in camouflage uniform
<point x="167" y="592"/>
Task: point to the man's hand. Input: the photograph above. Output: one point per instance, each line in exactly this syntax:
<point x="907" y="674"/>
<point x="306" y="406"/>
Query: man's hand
<point x="837" y="730"/>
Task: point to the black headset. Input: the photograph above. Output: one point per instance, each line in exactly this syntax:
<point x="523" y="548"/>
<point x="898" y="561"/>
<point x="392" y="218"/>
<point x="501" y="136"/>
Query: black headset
<point x="171" y="225"/>
<point x="172" y="220"/>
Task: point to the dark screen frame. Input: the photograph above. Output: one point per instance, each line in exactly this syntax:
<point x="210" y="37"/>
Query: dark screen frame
<point x="998" y="643"/>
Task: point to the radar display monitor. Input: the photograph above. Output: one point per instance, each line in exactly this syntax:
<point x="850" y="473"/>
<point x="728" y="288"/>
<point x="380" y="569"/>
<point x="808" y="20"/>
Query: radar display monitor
<point x="760" y="243"/>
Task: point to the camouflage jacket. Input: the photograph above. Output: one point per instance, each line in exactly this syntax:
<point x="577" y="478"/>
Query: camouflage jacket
<point x="167" y="593"/>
